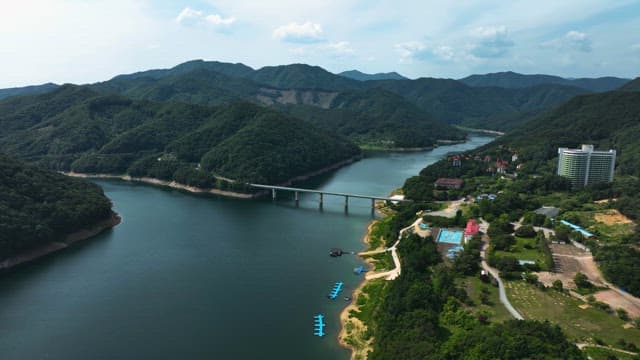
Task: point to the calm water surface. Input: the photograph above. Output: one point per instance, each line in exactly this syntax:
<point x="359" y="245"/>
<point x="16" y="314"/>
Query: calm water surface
<point x="201" y="277"/>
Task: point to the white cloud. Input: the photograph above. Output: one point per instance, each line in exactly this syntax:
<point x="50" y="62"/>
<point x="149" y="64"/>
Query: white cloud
<point x="418" y="50"/>
<point x="188" y="14"/>
<point x="218" y="20"/>
<point x="571" y="41"/>
<point x="306" y="33"/>
<point x="635" y="47"/>
<point x="490" y="42"/>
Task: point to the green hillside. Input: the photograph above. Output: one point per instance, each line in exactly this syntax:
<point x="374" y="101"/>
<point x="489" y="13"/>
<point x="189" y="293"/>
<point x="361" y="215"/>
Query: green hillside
<point x="172" y="141"/>
<point x="39" y="206"/>
<point x="513" y="80"/>
<point x="378" y="118"/>
<point x="607" y="120"/>
<point x="27" y="90"/>
<point x="360" y="76"/>
<point x="485" y="107"/>
<point x="302" y="76"/>
<point x="633" y="85"/>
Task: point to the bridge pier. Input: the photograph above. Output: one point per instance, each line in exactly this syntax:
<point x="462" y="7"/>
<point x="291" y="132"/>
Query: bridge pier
<point x="296" y="198"/>
<point x="273" y="194"/>
<point x="373" y="207"/>
<point x="346" y="203"/>
<point x="321" y="200"/>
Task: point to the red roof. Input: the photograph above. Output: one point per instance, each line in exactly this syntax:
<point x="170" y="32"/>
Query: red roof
<point x="472" y="227"/>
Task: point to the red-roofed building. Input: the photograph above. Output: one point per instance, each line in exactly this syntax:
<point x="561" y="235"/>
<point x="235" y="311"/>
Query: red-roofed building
<point x="501" y="166"/>
<point x="472" y="227"/>
<point x="449" y="183"/>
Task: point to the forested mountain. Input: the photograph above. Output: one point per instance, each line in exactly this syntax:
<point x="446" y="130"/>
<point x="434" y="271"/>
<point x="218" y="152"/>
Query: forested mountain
<point x="360" y="76"/>
<point x="377" y="118"/>
<point x="302" y="76"/>
<point x="513" y="80"/>
<point x="74" y="128"/>
<point x="27" y="90"/>
<point x="446" y="100"/>
<point x="39" y="206"/>
<point x="229" y="69"/>
<point x="607" y="120"/>
<point x="633" y="85"/>
<point x="368" y="117"/>
<point x="484" y="107"/>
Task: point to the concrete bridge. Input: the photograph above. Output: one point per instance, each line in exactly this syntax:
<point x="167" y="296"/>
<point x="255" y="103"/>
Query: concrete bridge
<point x="296" y="191"/>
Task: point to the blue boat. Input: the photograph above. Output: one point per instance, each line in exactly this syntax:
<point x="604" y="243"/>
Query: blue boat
<point x="318" y="325"/>
<point x="336" y="290"/>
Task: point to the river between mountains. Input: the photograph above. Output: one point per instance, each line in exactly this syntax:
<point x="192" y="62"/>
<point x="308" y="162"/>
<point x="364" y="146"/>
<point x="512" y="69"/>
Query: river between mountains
<point x="201" y="277"/>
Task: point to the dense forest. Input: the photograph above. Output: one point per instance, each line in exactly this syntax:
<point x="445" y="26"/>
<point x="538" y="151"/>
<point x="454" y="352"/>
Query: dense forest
<point x="39" y="206"/>
<point x="76" y="129"/>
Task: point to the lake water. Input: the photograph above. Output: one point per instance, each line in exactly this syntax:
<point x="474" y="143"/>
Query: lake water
<point x="202" y="277"/>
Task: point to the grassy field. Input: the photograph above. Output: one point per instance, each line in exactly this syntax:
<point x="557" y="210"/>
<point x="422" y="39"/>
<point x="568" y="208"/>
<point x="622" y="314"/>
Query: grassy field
<point x="579" y="324"/>
<point x="597" y="353"/>
<point x="497" y="312"/>
<point x="611" y="233"/>
<point x="526" y="249"/>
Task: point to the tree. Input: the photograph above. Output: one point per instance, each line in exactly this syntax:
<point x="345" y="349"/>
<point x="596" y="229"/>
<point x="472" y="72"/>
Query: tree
<point x="557" y="285"/>
<point x="582" y="281"/>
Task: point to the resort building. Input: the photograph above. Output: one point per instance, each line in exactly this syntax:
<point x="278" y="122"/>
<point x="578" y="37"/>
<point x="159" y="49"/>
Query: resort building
<point x="586" y="166"/>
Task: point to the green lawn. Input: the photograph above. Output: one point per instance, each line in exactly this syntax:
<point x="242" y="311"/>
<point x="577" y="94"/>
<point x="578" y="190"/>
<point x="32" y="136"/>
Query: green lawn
<point x="497" y="312"/>
<point x="579" y="324"/>
<point x="526" y="249"/>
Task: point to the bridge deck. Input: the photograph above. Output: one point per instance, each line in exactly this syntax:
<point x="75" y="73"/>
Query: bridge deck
<point x="274" y="187"/>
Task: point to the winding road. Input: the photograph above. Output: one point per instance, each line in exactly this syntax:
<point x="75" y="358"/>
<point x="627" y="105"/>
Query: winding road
<point x="484" y="226"/>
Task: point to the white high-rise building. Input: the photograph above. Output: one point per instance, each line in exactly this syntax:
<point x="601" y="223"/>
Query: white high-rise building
<point x="586" y="166"/>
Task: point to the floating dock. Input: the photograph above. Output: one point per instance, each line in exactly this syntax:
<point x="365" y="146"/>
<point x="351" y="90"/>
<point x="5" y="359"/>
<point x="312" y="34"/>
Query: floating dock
<point x="336" y="290"/>
<point x="359" y="270"/>
<point x="318" y="325"/>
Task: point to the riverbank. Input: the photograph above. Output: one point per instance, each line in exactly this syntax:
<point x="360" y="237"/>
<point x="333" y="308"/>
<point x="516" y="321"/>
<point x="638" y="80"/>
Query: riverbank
<point x="158" y="182"/>
<point x="213" y="191"/>
<point x="353" y="332"/>
<point x="481" y="131"/>
<point x="69" y="240"/>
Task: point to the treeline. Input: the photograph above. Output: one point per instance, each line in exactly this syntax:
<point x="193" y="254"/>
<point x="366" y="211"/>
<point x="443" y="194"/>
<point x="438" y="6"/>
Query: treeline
<point x="38" y="206"/>
<point x="620" y="265"/>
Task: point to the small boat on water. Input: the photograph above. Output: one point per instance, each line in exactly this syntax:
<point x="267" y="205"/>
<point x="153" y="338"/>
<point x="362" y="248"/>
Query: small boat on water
<point x="335" y="252"/>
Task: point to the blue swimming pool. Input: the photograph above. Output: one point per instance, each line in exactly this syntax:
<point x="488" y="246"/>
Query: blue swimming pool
<point x="450" y="236"/>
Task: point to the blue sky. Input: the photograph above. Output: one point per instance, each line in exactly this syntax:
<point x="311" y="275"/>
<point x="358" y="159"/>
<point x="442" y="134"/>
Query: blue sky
<point x="82" y="41"/>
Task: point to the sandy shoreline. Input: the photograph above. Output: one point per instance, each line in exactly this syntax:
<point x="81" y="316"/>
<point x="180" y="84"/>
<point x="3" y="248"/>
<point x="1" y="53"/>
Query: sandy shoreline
<point x="344" y="315"/>
<point x="69" y="240"/>
<point x="158" y="182"/>
<point x="197" y="190"/>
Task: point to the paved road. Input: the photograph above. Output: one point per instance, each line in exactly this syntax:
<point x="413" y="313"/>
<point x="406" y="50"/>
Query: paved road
<point x="391" y="274"/>
<point x="494" y="272"/>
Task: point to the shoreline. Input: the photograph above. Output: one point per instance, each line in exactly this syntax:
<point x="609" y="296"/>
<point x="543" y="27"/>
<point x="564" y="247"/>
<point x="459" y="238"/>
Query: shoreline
<point x="213" y="191"/>
<point x="165" y="183"/>
<point x="344" y="315"/>
<point x="54" y="246"/>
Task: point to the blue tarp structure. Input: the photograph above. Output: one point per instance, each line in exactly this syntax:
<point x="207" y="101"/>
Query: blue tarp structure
<point x="577" y="228"/>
